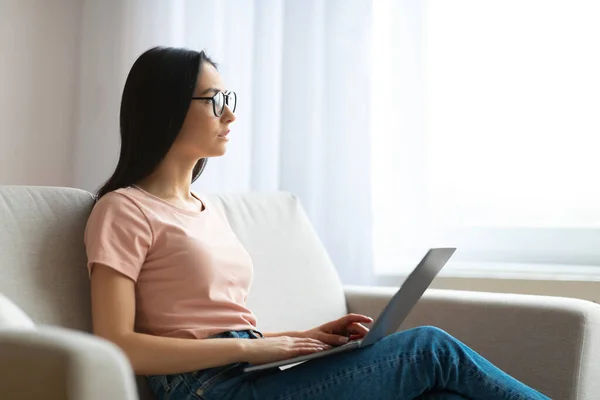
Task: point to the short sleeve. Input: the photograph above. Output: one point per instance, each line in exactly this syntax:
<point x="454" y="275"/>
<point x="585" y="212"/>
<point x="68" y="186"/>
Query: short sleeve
<point x="117" y="235"/>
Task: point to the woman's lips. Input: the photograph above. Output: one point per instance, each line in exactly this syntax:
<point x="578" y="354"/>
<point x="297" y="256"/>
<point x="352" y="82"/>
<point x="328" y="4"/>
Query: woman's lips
<point x="223" y="135"/>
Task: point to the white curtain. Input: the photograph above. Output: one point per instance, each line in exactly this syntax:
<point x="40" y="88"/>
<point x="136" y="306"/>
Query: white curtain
<point x="492" y="109"/>
<point x="301" y="69"/>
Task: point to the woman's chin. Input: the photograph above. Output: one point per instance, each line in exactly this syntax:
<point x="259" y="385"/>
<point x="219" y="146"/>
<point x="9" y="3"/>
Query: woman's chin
<point x="218" y="151"/>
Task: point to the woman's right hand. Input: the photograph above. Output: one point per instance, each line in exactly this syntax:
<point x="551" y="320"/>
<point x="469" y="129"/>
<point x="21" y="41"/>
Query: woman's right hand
<point x="264" y="351"/>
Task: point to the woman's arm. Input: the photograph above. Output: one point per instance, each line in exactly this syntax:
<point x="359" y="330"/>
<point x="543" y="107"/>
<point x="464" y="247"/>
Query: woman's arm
<point x="113" y="316"/>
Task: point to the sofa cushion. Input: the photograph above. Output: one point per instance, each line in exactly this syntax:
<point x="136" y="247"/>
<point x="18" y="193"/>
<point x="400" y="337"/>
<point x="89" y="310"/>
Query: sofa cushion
<point x="295" y="283"/>
<point x="12" y="317"/>
<point x="42" y="257"/>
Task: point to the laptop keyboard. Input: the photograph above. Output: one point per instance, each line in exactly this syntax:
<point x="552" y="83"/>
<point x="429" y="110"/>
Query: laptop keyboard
<point x="349" y="343"/>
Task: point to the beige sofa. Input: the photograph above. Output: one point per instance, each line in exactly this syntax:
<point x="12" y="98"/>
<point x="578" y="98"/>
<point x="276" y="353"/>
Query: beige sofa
<point x="550" y="343"/>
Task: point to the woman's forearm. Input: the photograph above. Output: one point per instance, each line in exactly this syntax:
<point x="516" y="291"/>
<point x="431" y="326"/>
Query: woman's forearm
<point x="155" y="355"/>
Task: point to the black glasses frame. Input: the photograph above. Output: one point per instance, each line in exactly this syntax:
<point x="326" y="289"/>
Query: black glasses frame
<point x="226" y="100"/>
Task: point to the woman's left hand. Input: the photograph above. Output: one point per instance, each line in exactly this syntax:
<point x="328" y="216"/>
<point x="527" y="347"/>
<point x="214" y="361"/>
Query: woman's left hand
<point x="338" y="332"/>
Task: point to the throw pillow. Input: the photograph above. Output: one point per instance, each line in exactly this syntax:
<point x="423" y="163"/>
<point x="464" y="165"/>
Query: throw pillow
<point x="12" y="317"/>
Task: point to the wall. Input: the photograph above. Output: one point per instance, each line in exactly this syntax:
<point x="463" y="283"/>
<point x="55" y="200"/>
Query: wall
<point x="39" y="47"/>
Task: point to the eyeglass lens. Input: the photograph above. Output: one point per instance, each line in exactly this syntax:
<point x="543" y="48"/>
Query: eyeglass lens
<point x="221" y="99"/>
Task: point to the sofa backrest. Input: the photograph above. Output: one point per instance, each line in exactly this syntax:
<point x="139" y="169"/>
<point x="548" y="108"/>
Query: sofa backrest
<point x="42" y="257"/>
<point x="295" y="285"/>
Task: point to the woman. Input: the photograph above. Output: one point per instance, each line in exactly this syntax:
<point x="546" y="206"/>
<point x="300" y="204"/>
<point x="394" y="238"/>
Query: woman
<point x="169" y="279"/>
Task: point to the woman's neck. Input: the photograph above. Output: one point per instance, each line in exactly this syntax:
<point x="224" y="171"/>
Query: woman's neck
<point x="170" y="181"/>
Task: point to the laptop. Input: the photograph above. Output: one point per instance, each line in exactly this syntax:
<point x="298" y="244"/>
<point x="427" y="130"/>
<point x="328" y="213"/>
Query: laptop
<point x="394" y="313"/>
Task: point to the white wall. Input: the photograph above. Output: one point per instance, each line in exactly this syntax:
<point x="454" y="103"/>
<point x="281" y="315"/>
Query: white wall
<point x="39" y="50"/>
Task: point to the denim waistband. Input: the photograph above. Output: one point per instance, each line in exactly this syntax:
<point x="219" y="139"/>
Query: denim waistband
<point x="245" y="334"/>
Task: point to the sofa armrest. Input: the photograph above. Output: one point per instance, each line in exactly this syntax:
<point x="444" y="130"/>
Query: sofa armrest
<point x="550" y="343"/>
<point x="57" y="363"/>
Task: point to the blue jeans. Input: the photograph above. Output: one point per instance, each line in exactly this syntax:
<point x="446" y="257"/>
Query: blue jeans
<point x="422" y="363"/>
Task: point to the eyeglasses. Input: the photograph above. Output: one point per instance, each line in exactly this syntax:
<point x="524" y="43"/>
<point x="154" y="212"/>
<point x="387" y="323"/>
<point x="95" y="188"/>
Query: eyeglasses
<point x="219" y="100"/>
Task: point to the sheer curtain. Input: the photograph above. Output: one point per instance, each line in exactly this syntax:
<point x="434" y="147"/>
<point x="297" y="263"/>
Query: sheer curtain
<point x="301" y="69"/>
<point x="492" y="144"/>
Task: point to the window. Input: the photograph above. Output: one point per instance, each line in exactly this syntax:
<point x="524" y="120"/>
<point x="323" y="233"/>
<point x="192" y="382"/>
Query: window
<point x="486" y="131"/>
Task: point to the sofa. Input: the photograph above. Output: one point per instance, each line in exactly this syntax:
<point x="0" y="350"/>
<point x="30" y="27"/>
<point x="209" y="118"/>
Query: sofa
<point x="47" y="351"/>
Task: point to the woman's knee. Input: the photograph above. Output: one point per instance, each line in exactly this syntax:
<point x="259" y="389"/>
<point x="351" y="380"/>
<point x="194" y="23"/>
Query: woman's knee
<point x="427" y="336"/>
<point x="421" y="338"/>
<point x="432" y="331"/>
<point x="426" y="343"/>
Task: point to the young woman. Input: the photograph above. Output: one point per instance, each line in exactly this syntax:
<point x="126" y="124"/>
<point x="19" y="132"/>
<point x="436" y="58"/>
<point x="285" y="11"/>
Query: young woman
<point x="169" y="278"/>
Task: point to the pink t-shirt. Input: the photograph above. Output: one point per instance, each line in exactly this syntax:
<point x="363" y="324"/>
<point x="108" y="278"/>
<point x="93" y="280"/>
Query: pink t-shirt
<point x="192" y="274"/>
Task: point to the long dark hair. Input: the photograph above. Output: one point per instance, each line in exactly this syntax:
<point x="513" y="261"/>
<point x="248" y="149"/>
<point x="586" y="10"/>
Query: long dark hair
<point x="154" y="104"/>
